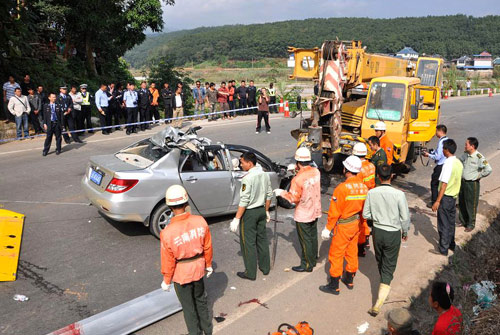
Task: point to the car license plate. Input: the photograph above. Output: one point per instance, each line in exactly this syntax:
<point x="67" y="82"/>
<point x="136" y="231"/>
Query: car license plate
<point x="95" y="177"/>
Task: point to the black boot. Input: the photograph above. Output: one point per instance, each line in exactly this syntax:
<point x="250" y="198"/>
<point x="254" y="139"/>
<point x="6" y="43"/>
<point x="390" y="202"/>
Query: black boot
<point x="332" y="287"/>
<point x="348" y="279"/>
<point x="361" y="250"/>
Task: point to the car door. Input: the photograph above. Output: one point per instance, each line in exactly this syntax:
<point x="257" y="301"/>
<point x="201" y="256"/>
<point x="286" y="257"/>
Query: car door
<point x="208" y="183"/>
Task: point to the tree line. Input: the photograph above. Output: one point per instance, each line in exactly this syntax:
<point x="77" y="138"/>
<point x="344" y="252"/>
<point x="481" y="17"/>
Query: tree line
<point x="449" y="36"/>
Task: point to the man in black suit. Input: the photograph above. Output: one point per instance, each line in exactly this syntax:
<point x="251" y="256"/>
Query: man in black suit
<point x="52" y="124"/>
<point x="69" y="116"/>
<point x="144" y="102"/>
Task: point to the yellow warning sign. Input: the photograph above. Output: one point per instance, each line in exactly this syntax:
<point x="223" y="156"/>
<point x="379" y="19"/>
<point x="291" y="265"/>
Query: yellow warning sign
<point x="11" y="231"/>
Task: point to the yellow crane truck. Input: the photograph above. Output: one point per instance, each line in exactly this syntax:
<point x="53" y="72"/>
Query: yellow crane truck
<point x="355" y="89"/>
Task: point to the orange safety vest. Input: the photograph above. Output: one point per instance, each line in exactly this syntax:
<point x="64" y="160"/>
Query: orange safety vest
<point x="347" y="201"/>
<point x="186" y="249"/>
<point x="388" y="146"/>
<point x="156" y="95"/>
<point x="367" y="174"/>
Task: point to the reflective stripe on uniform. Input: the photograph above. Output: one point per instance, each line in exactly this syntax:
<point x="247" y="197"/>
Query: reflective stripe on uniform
<point x="356" y="197"/>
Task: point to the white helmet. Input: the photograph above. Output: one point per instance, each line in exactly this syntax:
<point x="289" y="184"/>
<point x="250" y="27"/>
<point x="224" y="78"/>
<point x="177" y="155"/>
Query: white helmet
<point x="352" y="163"/>
<point x="380" y="125"/>
<point x="303" y="155"/>
<point x="359" y="150"/>
<point x="176" y="195"/>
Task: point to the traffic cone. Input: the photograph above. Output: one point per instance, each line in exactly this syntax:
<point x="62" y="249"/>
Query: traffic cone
<point x="491" y="93"/>
<point x="445" y="95"/>
<point x="287" y="110"/>
<point x="281" y="106"/>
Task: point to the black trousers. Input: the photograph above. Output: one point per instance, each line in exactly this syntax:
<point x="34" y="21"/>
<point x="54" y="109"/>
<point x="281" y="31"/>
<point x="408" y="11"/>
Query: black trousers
<point x="155" y="113"/>
<point x="263" y="115"/>
<point x="243" y="104"/>
<point x="86" y="117"/>
<point x="69" y="124"/>
<point x="54" y="128"/>
<point x="105" y="120"/>
<point x="169" y="112"/>
<point x="34" y="121"/>
<point x="115" y="115"/>
<point x="446" y="224"/>
<point x="252" y="103"/>
<point x="131" y="118"/>
<point x="435" y="182"/>
<point x="272" y="109"/>
<point x="194" y="302"/>
<point x="144" y="116"/>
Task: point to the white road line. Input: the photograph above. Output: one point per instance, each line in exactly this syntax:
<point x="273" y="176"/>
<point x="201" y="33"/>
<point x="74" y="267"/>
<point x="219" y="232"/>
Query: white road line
<point x="45" y="202"/>
<point x="229" y="123"/>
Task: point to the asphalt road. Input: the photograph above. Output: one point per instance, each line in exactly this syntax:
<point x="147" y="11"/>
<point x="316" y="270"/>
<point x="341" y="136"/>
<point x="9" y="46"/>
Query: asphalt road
<point x="74" y="263"/>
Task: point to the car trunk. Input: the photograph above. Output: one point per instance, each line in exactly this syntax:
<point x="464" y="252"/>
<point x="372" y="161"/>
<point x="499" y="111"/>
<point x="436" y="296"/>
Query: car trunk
<point x="106" y="166"/>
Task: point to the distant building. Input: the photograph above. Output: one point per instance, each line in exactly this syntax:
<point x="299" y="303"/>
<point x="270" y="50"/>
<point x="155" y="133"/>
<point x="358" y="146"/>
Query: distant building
<point x="481" y="64"/>
<point x="483" y="61"/>
<point x="407" y="53"/>
<point x="463" y="61"/>
<point x="496" y="61"/>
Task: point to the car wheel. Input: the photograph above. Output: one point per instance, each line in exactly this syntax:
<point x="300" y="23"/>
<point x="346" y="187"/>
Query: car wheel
<point x="160" y="218"/>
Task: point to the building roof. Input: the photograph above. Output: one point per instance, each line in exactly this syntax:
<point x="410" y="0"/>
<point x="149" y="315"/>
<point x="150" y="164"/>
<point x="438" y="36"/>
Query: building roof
<point x="463" y="58"/>
<point x="483" y="54"/>
<point x="407" y="50"/>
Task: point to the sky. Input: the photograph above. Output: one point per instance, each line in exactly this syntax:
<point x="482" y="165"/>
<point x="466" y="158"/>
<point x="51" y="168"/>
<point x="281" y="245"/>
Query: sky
<point x="187" y="14"/>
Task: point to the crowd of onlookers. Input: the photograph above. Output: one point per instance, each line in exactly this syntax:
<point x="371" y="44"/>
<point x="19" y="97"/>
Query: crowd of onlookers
<point x="117" y="105"/>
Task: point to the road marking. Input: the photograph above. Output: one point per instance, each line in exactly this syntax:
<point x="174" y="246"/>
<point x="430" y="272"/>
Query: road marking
<point x="45" y="202"/>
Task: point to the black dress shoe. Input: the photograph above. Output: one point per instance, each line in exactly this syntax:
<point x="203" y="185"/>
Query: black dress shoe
<point x="78" y="140"/>
<point x="300" y="269"/>
<point x="329" y="289"/>
<point x="67" y="141"/>
<point x="44" y="154"/>
<point x="128" y="132"/>
<point x="105" y="133"/>
<point x="58" y="152"/>
<point x="242" y="275"/>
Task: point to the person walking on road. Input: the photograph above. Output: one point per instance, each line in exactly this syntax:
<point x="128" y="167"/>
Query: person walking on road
<point x="263" y="112"/>
<point x="476" y="167"/>
<point x="367" y="176"/>
<point x="19" y="106"/>
<point x="186" y="256"/>
<point x="253" y="214"/>
<point x="387" y="207"/>
<point x="130" y="99"/>
<point x="52" y="124"/>
<point x="86" y="120"/>
<point x="305" y="193"/>
<point x="168" y="102"/>
<point x="102" y="104"/>
<point x="343" y="225"/>
<point x="449" y="188"/>
<point x="385" y="142"/>
<point x="438" y="157"/>
<point x="379" y="157"/>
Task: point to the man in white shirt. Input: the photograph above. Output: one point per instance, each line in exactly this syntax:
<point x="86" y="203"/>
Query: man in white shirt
<point x="179" y="108"/>
<point x="19" y="106"/>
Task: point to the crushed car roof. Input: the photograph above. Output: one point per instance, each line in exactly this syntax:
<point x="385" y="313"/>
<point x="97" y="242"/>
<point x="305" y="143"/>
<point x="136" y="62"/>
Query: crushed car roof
<point x="171" y="137"/>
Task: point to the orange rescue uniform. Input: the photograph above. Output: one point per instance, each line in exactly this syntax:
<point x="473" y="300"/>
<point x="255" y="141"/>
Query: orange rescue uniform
<point x="344" y="217"/>
<point x="186" y="249"/>
<point x="388" y="146"/>
<point x="155" y="94"/>
<point x="367" y="176"/>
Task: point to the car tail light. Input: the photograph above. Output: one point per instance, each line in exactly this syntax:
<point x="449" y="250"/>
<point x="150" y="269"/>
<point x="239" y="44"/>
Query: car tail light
<point x="121" y="185"/>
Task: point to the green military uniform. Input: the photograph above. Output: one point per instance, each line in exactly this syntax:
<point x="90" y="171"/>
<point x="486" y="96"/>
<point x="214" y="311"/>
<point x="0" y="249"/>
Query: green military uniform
<point x="255" y="191"/>
<point x="378" y="158"/>
<point x="475" y="167"/>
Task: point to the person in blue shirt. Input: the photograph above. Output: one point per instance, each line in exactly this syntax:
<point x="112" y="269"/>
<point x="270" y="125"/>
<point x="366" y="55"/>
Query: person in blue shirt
<point x="102" y="104"/>
<point x="199" y="95"/>
<point x="130" y="98"/>
<point x="52" y="124"/>
<point x="439" y="158"/>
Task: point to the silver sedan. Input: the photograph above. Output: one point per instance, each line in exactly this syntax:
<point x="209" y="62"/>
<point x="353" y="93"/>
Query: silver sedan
<point x="130" y="185"/>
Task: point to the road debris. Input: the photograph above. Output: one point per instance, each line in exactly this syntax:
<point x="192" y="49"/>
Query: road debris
<point x="485" y="295"/>
<point x="221" y="317"/>
<point x="286" y="269"/>
<point x="233" y="288"/>
<point x="363" y="328"/>
<point x="255" y="301"/>
<point x="20" y="297"/>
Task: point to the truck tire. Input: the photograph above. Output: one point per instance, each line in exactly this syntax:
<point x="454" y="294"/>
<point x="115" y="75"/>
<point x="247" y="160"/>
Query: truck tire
<point x="159" y="219"/>
<point x="411" y="157"/>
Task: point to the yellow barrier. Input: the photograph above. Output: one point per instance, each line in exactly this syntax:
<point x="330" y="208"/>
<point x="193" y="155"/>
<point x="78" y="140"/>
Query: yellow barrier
<point x="11" y="231"/>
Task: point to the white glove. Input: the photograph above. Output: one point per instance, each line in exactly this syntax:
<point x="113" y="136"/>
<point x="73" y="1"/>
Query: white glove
<point x="165" y="287"/>
<point x="291" y="167"/>
<point x="234" y="225"/>
<point x="209" y="270"/>
<point x="268" y="217"/>
<point x="278" y="192"/>
<point x="325" y="234"/>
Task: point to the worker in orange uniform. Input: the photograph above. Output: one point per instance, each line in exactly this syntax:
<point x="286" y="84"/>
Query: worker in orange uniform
<point x="305" y="193"/>
<point x="343" y="225"/>
<point x="385" y="142"/>
<point x="154" y="103"/>
<point x="186" y="255"/>
<point x="367" y="176"/>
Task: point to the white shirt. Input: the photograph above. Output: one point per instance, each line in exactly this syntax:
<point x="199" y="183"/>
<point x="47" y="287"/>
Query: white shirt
<point x="178" y="101"/>
<point x="445" y="175"/>
<point x="77" y="100"/>
<point x="19" y="105"/>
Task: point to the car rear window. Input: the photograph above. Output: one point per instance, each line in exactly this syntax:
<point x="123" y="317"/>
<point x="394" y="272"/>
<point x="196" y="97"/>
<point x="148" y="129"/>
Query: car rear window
<point x="142" y="153"/>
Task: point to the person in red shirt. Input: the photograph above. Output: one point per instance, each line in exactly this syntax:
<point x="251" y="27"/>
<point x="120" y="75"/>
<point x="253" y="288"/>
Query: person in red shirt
<point x="450" y="318"/>
<point x="186" y="255"/>
<point x="222" y="97"/>
<point x="343" y="224"/>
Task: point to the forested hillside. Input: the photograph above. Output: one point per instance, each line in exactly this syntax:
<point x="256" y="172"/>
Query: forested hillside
<point x="449" y="36"/>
